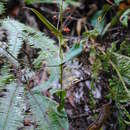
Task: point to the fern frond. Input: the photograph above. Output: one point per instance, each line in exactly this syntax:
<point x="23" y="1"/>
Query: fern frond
<point x="36" y="39"/>
<point x="5" y="76"/>
<point x="48" y="51"/>
<point x="2" y="8"/>
<point x="46" y="114"/>
<point x="11" y="108"/>
<point x="15" y="36"/>
<point x="19" y="32"/>
<point x="9" y="56"/>
<point x="123" y="63"/>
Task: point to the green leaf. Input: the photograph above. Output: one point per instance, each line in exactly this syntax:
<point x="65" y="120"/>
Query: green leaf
<point x="10" y="57"/>
<point x="62" y="95"/>
<point x="11" y="107"/>
<point x="74" y="51"/>
<point x="51" y="27"/>
<point x="5" y="76"/>
<point x="91" y="33"/>
<point x="55" y="62"/>
<point x="2" y="8"/>
<point x="73" y="2"/>
<point x="46" y="114"/>
<point x="125" y="48"/>
<point x="97" y="21"/>
<point x="14" y="36"/>
<point x="113" y="22"/>
<point x="48" y="51"/>
<point x="124" y="18"/>
<point x="127" y="122"/>
<point x="5" y="79"/>
<point x="117" y="2"/>
<point x="120" y="77"/>
<point x="123" y="63"/>
<point x="38" y="1"/>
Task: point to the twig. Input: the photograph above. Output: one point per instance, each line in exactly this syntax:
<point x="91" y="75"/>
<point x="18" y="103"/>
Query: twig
<point x="79" y="116"/>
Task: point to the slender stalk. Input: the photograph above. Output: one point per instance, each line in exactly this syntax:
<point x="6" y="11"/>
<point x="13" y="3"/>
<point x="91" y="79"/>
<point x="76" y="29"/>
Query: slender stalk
<point x="61" y="52"/>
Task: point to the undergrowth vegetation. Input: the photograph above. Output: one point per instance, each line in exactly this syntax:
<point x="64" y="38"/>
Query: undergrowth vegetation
<point x="17" y="77"/>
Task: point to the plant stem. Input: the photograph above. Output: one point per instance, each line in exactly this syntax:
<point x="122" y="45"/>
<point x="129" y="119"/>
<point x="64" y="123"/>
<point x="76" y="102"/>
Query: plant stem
<point x="61" y="54"/>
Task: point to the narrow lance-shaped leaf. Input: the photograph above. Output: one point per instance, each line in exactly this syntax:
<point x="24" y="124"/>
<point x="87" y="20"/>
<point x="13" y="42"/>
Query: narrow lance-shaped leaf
<point x="36" y="39"/>
<point x="51" y="27"/>
<point x="74" y="51"/>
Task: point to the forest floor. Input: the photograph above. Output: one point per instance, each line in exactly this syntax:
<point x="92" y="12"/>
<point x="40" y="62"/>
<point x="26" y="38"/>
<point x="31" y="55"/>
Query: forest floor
<point x="87" y="108"/>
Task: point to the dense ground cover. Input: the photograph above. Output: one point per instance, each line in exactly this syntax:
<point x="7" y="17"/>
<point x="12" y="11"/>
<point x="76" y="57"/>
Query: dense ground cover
<point x="64" y="65"/>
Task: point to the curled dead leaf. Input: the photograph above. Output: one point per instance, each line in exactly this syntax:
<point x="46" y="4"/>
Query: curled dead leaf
<point x="80" y="23"/>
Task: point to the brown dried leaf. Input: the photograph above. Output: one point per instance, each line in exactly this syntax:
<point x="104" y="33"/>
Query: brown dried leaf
<point x="80" y="23"/>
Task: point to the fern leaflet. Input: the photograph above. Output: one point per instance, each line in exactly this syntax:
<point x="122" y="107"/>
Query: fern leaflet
<point x="11" y="107"/>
